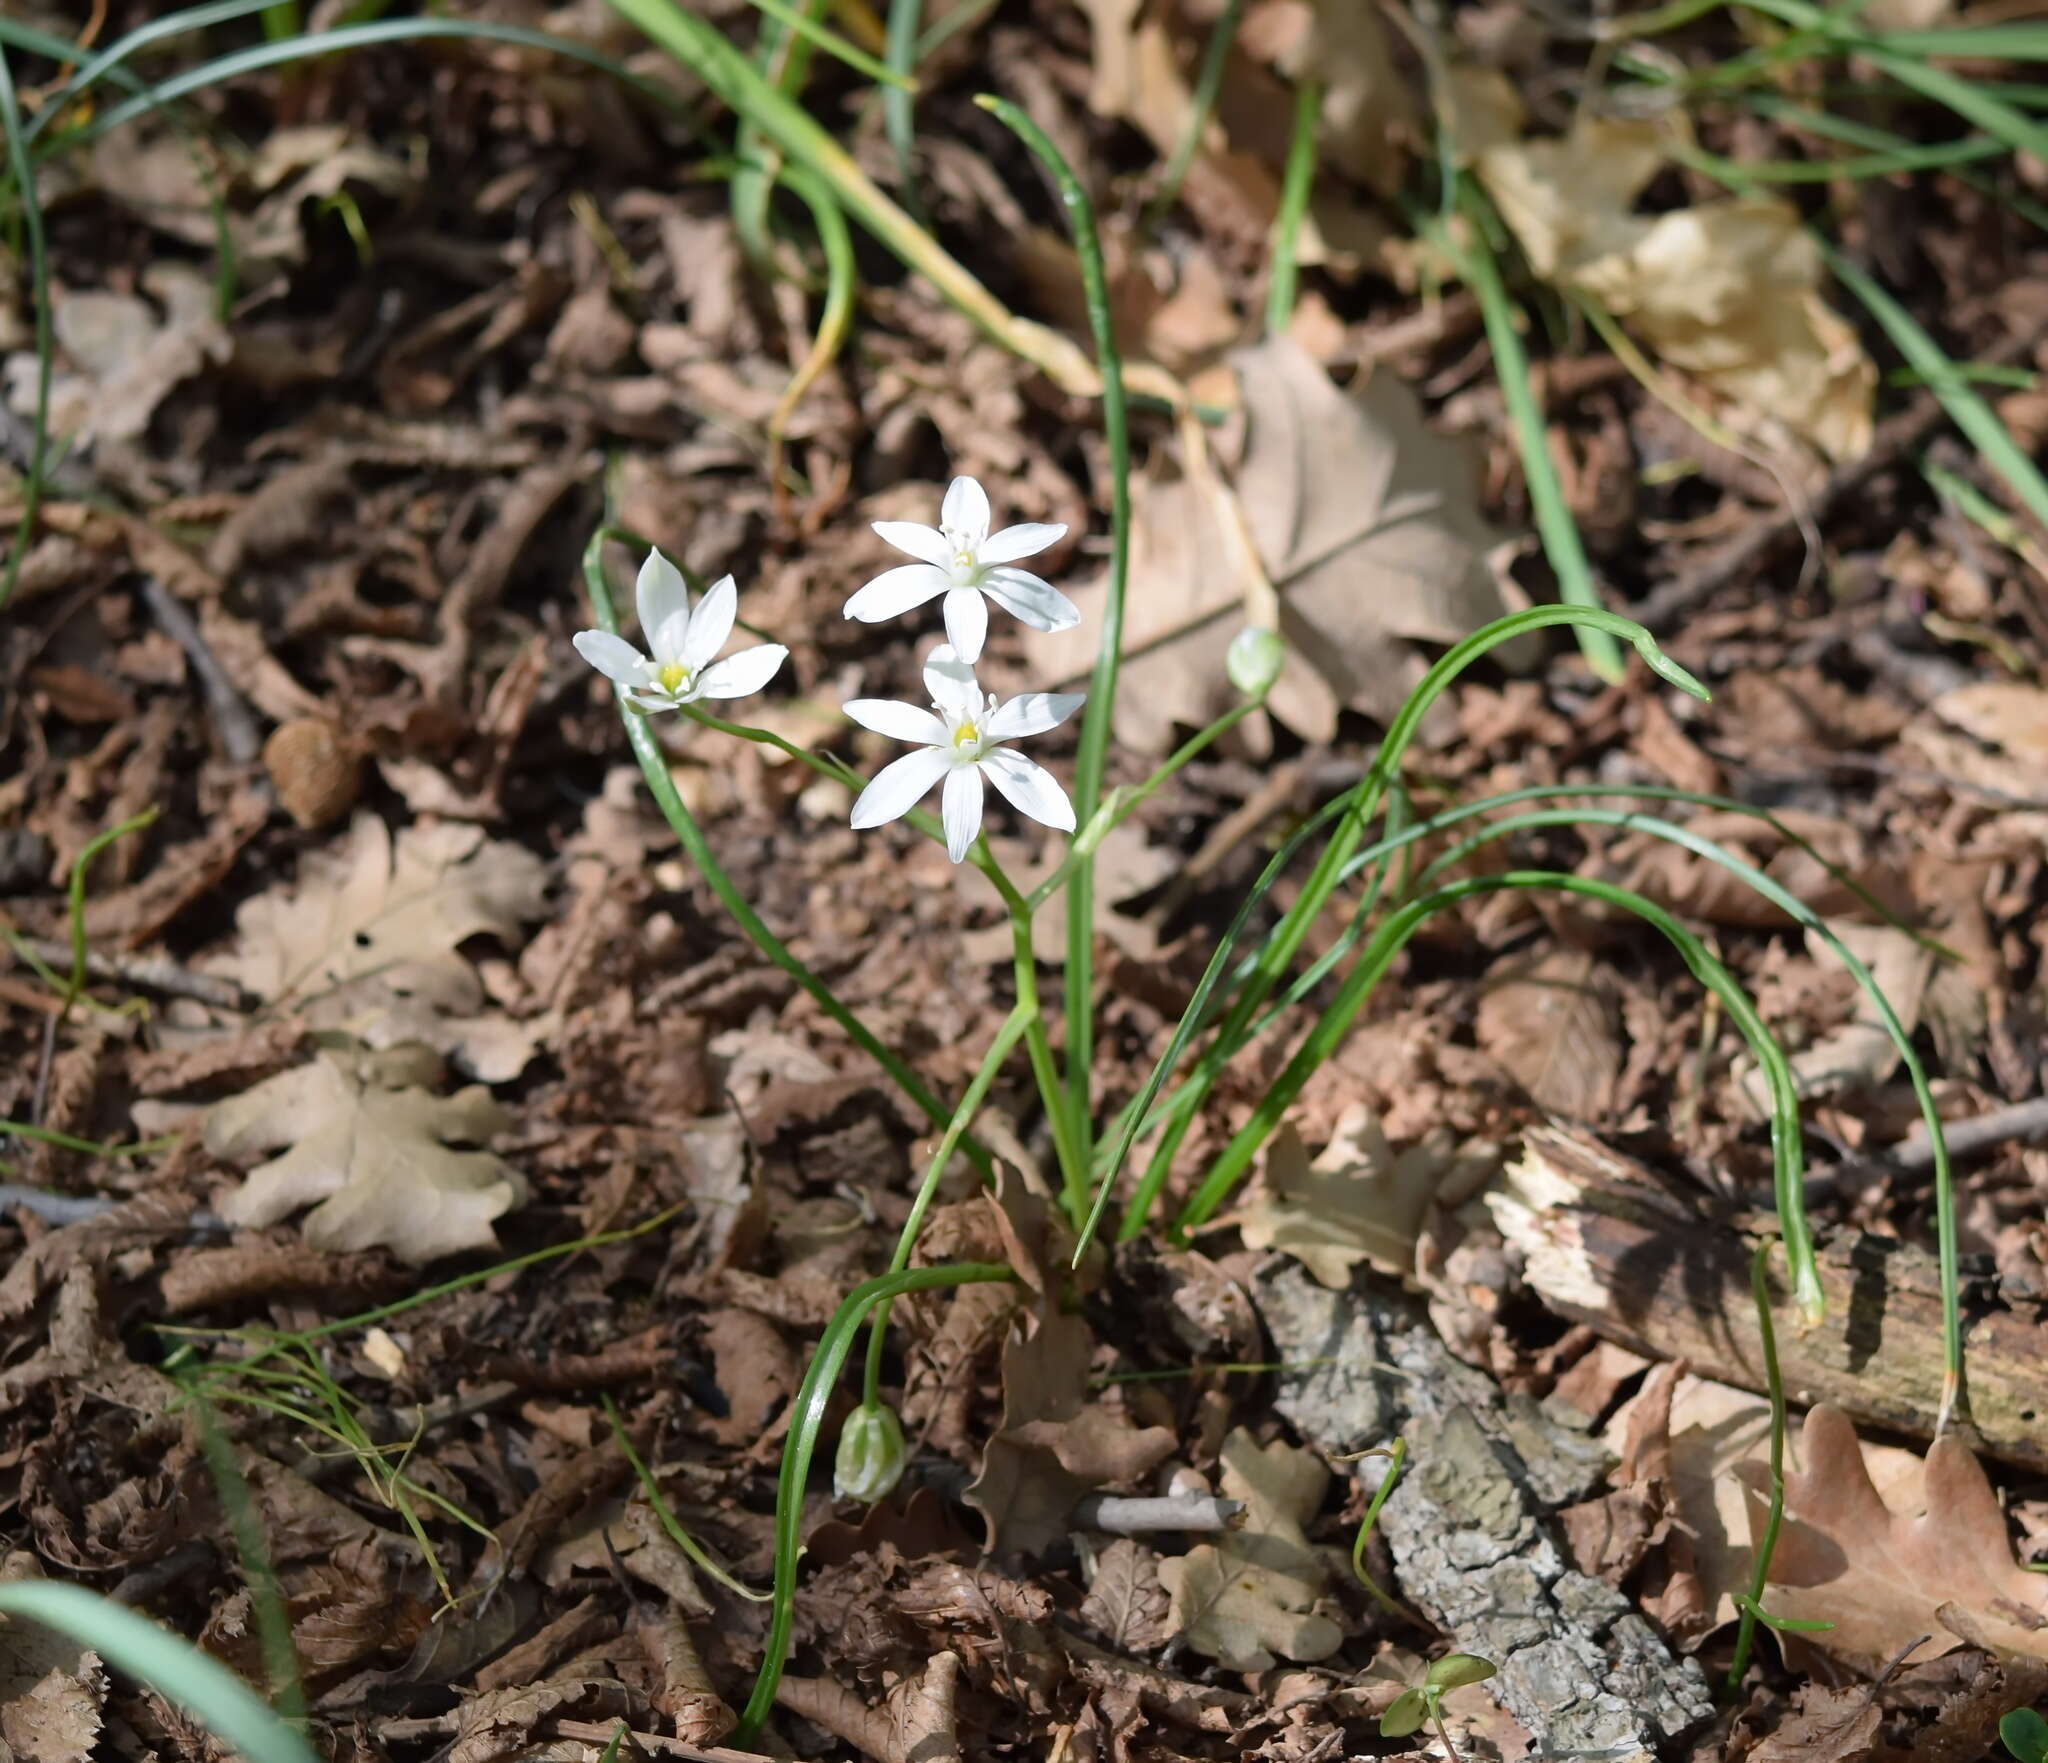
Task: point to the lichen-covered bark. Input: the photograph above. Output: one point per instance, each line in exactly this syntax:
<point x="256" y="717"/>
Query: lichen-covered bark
<point x="1470" y="1525"/>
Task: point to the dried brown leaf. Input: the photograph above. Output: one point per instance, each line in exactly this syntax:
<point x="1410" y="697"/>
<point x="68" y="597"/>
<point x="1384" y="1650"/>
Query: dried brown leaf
<point x="366" y="941"/>
<point x="1551" y="1025"/>
<point x="1127" y="1603"/>
<point x="1360" y="1200"/>
<point x="1364" y="519"/>
<point x="1258" y="1595"/>
<point x="1886" y="1573"/>
<point x="371" y="1151"/>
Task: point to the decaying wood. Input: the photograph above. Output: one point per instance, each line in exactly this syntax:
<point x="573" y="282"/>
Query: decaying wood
<point x="1605" y="1243"/>
<point x="1471" y="1524"/>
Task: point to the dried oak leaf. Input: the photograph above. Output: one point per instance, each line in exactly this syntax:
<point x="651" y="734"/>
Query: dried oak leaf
<point x="1885" y="1574"/>
<point x="1550" y="1023"/>
<point x="366" y="941"/>
<point x="1127" y="1602"/>
<point x="372" y="1151"/>
<point x="1361" y="1200"/>
<point x="1365" y="520"/>
<point x="52" y="1690"/>
<point x="1726" y="290"/>
<point x="1258" y="1594"/>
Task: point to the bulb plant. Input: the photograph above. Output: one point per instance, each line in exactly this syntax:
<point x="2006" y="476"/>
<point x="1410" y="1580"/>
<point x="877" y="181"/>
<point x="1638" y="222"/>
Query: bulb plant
<point x="1355" y="846"/>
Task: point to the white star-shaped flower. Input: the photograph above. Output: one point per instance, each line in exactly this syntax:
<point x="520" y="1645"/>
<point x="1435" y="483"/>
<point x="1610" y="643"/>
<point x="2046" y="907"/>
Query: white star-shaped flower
<point x="682" y="667"/>
<point x="963" y="560"/>
<point x="957" y="740"/>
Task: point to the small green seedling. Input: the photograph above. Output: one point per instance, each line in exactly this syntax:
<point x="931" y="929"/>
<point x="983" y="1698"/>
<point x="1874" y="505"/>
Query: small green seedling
<point x="1424" y="1702"/>
<point x="2025" y="1734"/>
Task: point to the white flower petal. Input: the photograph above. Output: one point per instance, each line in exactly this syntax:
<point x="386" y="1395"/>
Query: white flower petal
<point x="962" y="809"/>
<point x="742" y="673"/>
<point x="899" y="786"/>
<point x="952" y="684"/>
<point x="966" y="623"/>
<point x="660" y="594"/>
<point x="926" y="543"/>
<point x="710" y="624"/>
<point x="1025" y="540"/>
<point x="897" y="590"/>
<point x="1032" y="713"/>
<point x="612" y="656"/>
<point x="1038" y="603"/>
<point x="900" y="722"/>
<point x="669" y="642"/>
<point x="653" y="698"/>
<point x="1030" y="788"/>
<point x="965" y="511"/>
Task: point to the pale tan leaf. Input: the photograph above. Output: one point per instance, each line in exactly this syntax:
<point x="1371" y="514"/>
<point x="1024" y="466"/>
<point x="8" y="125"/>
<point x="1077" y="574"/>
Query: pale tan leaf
<point x="1258" y="1595"/>
<point x="1727" y="291"/>
<point x="366" y="939"/>
<point x="1360" y="1200"/>
<point x="1362" y="517"/>
<point x="1888" y="1571"/>
<point x="1551" y="1025"/>
<point x="372" y="1152"/>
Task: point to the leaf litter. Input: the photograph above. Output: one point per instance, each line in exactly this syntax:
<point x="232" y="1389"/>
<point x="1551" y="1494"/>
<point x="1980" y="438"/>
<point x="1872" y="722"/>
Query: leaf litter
<point x="448" y="997"/>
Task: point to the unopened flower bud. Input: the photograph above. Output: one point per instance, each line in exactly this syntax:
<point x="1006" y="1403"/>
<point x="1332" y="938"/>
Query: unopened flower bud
<point x="1255" y="660"/>
<point x="871" y="1454"/>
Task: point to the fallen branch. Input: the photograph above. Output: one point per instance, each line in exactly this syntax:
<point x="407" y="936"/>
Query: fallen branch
<point x="1604" y="1243"/>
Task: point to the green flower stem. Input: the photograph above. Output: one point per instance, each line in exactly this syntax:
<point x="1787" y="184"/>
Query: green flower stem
<point x="1122" y="804"/>
<point x="1553" y="517"/>
<point x="1397" y="1455"/>
<point x="1354" y="807"/>
<point x="1091" y="760"/>
<point x="704" y="49"/>
<point x="1215" y="57"/>
<point x="669" y="1522"/>
<point x="1038" y="1044"/>
<point x="1774" y="1384"/>
<point x="24" y="176"/>
<point x="899" y="117"/>
<point x="1387" y="942"/>
<point x="654" y="767"/>
<point x="1014" y="1027"/>
<point x="807" y="1419"/>
<point x="1296" y="182"/>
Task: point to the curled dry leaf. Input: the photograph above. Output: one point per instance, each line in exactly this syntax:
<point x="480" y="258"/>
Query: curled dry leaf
<point x="123" y="355"/>
<point x="1127" y="1602"/>
<point x="1551" y="1025"/>
<point x="1936" y="1560"/>
<point x="1257" y="1595"/>
<point x="366" y="941"/>
<point x="1364" y="520"/>
<point x="1361" y="1200"/>
<point x="1727" y="291"/>
<point x="372" y="1151"/>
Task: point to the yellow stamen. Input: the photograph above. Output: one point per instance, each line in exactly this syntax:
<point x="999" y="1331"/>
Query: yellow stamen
<point x="674" y="676"/>
<point x="966" y="735"/>
<point x="963" y="559"/>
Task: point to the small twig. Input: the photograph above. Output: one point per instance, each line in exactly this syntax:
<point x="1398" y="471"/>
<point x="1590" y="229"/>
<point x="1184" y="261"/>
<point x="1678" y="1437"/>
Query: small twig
<point x="2017" y="1120"/>
<point x="149" y="973"/>
<point x="1125" y="1515"/>
<point x="239" y="735"/>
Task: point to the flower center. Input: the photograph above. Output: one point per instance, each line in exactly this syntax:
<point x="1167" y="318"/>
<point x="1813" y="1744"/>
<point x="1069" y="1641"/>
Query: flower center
<point x="673" y="676"/>
<point x="966" y="737"/>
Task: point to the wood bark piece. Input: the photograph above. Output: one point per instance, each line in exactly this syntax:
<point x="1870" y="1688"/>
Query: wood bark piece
<point x="1471" y="1523"/>
<point x="1605" y="1242"/>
